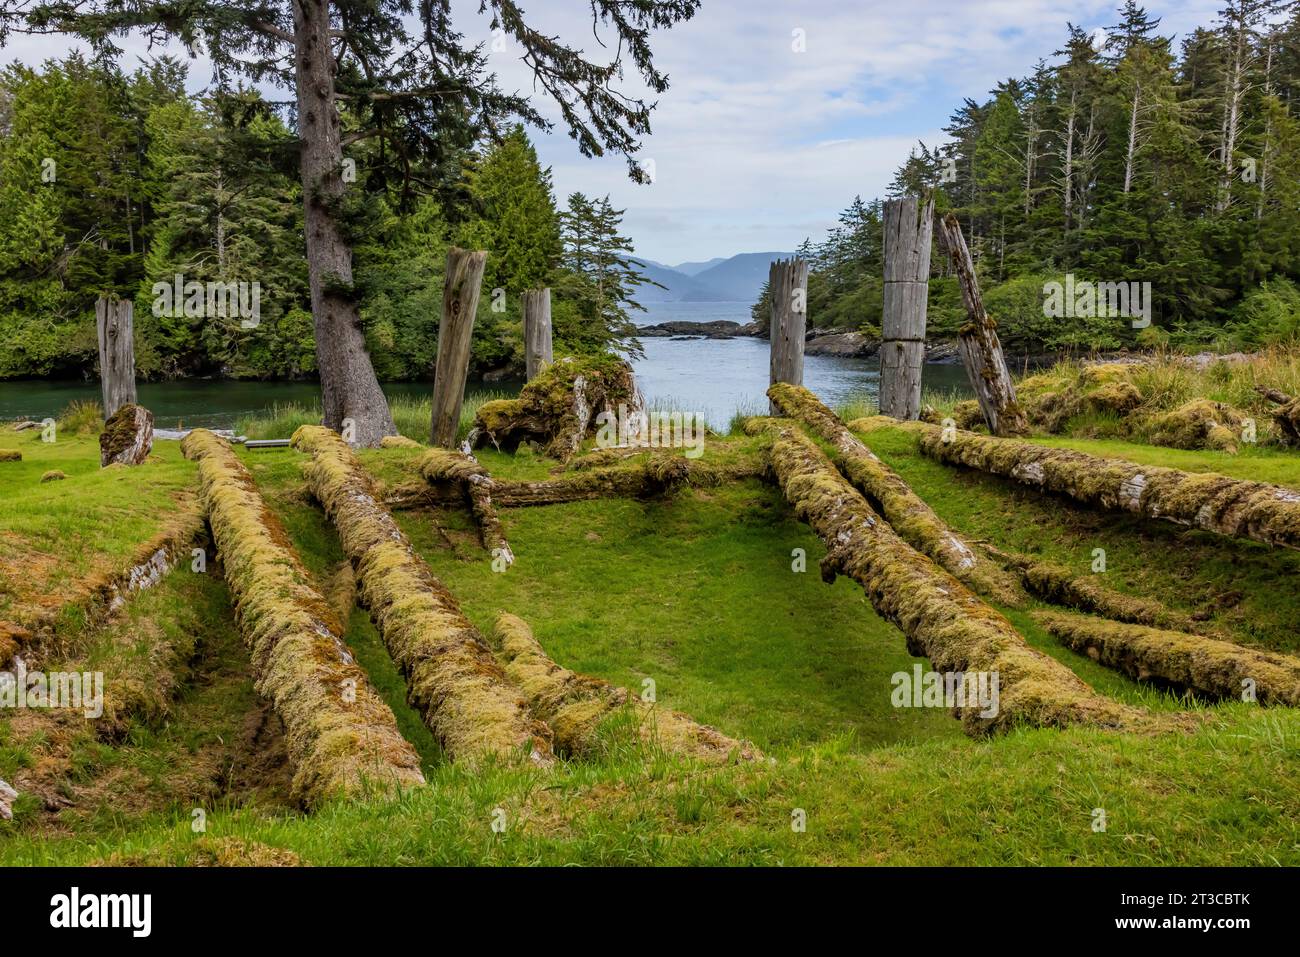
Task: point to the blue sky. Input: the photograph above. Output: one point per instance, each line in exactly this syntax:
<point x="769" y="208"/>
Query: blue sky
<point x="768" y="132"/>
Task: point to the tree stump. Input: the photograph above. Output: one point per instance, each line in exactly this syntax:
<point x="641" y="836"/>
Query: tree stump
<point x="537" y="331"/>
<point x="113" y="322"/>
<point x="907" y="274"/>
<point x="460" y="293"/>
<point x="788" y="285"/>
<point x="981" y="351"/>
<point x="127" y="437"/>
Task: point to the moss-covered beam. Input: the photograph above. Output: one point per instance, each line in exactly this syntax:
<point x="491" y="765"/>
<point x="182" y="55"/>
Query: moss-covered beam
<point x="453" y="680"/>
<point x="1206" y="666"/>
<point x="442" y="466"/>
<point x="886" y="491"/>
<point x="342" y="738"/>
<point x="939" y="616"/>
<point x="579" y="708"/>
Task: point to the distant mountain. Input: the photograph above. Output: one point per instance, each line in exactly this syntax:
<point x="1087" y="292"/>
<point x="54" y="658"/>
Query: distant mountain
<point x="692" y="269"/>
<point x="738" y="278"/>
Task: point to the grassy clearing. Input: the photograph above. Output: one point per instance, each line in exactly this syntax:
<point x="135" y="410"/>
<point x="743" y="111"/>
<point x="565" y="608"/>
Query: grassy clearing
<point x="411" y="416"/>
<point x="697" y="593"/>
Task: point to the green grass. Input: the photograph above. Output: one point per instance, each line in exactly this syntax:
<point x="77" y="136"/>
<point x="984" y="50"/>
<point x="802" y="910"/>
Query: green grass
<point x="411" y="416"/>
<point x="697" y="593"/>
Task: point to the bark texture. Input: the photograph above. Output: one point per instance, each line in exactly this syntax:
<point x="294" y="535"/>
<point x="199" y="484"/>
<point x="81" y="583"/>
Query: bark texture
<point x="452" y="678"/>
<point x="908" y="233"/>
<point x="537" y="332"/>
<point x="342" y="737"/>
<point x="114" y="326"/>
<point x="886" y="491"/>
<point x="940" y="618"/>
<point x="1206" y="666"/>
<point x="460" y="291"/>
<point x="583" y="711"/>
<point x="788" y="289"/>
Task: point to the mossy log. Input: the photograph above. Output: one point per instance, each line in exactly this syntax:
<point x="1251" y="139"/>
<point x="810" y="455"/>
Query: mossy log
<point x="127" y="438"/>
<point x="1286" y="416"/>
<point x="440" y="466"/>
<point x="1203" y="500"/>
<point x="1199" y="424"/>
<point x="578" y="708"/>
<point x="940" y="618"/>
<point x="342" y="738"/>
<point x="558" y="409"/>
<point x="453" y="680"/>
<point x="886" y="491"/>
<point x="1206" y="666"/>
<point x="10" y="455"/>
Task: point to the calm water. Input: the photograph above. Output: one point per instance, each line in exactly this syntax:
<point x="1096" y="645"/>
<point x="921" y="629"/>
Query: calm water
<point x="711" y="377"/>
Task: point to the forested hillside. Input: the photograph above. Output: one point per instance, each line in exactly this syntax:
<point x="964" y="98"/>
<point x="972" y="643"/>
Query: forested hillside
<point x="1126" y="156"/>
<point x="113" y="182"/>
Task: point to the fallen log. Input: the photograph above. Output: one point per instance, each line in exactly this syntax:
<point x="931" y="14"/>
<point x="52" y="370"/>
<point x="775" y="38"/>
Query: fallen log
<point x="10" y="455"/>
<point x="440" y="466"/>
<point x="886" y="491"/>
<point x="579" y="708"/>
<point x="1287" y="416"/>
<point x="1204" y="500"/>
<point x="1207" y="666"/>
<point x="453" y="680"/>
<point x="342" y="738"/>
<point x="940" y="618"/>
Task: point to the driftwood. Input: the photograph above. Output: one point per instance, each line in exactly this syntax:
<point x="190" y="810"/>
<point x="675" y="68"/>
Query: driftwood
<point x="908" y="233"/>
<point x="342" y="737"/>
<point x="580" y="707"/>
<point x="787" y="285"/>
<point x="127" y="438"/>
<point x="1204" y="500"/>
<point x="451" y="676"/>
<point x="460" y="291"/>
<point x="886" y="491"/>
<point x="1207" y="666"/>
<point x="977" y="340"/>
<point x="940" y="618"/>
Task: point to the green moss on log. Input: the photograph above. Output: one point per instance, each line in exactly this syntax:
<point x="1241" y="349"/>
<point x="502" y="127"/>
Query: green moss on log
<point x="453" y="680"/>
<point x="1060" y="586"/>
<point x="342" y="738"/>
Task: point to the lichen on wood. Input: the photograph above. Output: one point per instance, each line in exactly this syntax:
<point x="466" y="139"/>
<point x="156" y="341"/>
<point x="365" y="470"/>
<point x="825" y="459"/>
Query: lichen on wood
<point x="558" y="409"/>
<point x="341" y="736"/>
<point x="578" y="708"/>
<point x="1203" y="500"/>
<point x="1206" y="666"/>
<point x="914" y="520"/>
<point x="453" y="680"/>
<point x="940" y="618"/>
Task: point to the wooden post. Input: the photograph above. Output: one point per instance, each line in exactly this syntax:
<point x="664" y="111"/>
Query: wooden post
<point x="537" y="331"/>
<point x="788" y="286"/>
<point x="113" y="323"/>
<point x="977" y="340"/>
<point x="907" y="287"/>
<point x="460" y="291"/>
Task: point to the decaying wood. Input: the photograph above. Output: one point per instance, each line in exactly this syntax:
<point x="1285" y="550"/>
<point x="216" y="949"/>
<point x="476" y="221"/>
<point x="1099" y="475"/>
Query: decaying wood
<point x="446" y="466"/>
<point x="1287" y="416"/>
<point x="1207" y="666"/>
<point x="1204" y="500"/>
<point x="452" y="678"/>
<point x="342" y="737"/>
<point x="886" y="491"/>
<point x="977" y="340"/>
<point x="127" y="438"/>
<point x="940" y="618"/>
<point x="908" y="235"/>
<point x="537" y="331"/>
<point x="580" y="707"/>
<point x="7" y="797"/>
<point x="113" y="323"/>
<point x="460" y="292"/>
<point x="788" y="291"/>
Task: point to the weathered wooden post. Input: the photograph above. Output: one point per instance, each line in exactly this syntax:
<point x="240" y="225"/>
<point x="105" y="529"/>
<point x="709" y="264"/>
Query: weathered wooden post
<point x="460" y="290"/>
<point x="787" y="283"/>
<point x="537" y="331"/>
<point x="907" y="286"/>
<point x="977" y="340"/>
<point x="113" y="323"/>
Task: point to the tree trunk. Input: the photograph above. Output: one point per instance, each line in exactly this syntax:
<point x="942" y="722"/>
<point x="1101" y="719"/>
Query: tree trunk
<point x="115" y="327"/>
<point x="350" y="392"/>
<point x="537" y="331"/>
<point x="981" y="352"/>
<point x="460" y="291"/>
<point x="907" y="275"/>
<point x="1132" y="139"/>
<point x="788" y="285"/>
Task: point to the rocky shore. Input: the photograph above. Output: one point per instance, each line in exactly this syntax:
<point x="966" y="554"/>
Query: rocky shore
<point x="818" y="342"/>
